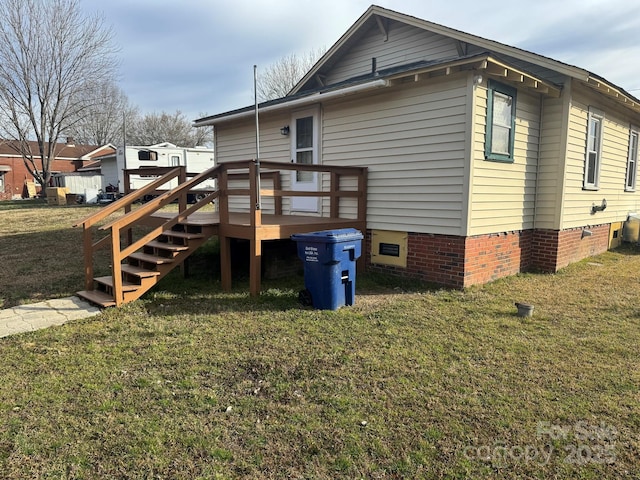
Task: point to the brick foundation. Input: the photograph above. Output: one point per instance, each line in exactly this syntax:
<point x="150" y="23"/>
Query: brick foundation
<point x="464" y="261"/>
<point x="557" y="249"/>
<point x="430" y="258"/>
<point x="493" y="256"/>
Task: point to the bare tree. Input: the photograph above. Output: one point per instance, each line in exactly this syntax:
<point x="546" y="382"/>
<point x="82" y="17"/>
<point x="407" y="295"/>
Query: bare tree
<point x="108" y="110"/>
<point x="51" y="57"/>
<point x="161" y="127"/>
<point x="279" y="78"/>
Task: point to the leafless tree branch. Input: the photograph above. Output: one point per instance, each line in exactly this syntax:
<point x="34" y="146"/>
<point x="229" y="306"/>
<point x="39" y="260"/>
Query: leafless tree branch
<point x="279" y="78"/>
<point x="52" y="57"/>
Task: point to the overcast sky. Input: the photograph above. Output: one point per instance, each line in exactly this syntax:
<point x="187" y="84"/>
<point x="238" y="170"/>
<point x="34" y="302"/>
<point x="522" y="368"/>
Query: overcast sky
<point x="197" y="56"/>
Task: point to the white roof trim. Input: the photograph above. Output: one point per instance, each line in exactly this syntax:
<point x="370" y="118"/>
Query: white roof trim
<point x="298" y="102"/>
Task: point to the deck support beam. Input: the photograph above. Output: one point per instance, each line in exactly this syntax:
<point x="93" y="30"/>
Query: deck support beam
<point x="225" y="263"/>
<point x="255" y="266"/>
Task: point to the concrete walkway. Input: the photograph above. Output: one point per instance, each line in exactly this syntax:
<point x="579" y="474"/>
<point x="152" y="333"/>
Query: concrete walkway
<point x="28" y="318"/>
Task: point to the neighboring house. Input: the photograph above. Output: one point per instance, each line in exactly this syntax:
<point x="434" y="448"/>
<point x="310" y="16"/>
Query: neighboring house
<point x="484" y="160"/>
<point x="14" y="173"/>
<point x="196" y="160"/>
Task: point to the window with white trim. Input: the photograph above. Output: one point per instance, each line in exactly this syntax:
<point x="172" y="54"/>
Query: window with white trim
<point x="594" y="150"/>
<point x="632" y="161"/>
<point x="501" y="122"/>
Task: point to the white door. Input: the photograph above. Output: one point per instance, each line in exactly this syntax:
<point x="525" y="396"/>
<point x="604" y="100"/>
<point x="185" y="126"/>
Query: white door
<point x="304" y="150"/>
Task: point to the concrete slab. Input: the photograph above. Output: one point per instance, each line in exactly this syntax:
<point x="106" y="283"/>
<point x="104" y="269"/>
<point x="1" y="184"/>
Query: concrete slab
<point x="35" y="316"/>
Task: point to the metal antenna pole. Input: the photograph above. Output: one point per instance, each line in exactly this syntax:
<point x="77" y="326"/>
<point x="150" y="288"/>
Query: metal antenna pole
<point x="255" y="94"/>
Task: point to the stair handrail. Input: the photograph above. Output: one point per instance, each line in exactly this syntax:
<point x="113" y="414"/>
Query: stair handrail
<point x="161" y="200"/>
<point x="126" y="221"/>
<point x="88" y="246"/>
<point x="128" y="200"/>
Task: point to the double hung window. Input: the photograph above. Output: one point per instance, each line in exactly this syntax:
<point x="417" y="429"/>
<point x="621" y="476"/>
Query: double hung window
<point x="632" y="161"/>
<point x="594" y="150"/>
<point x="501" y="122"/>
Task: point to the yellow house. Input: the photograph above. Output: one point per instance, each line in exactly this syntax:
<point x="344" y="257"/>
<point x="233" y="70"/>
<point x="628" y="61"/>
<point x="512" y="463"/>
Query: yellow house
<point x="484" y="159"/>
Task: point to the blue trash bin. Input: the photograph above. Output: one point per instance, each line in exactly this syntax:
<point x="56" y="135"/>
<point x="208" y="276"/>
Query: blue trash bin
<point x="329" y="258"/>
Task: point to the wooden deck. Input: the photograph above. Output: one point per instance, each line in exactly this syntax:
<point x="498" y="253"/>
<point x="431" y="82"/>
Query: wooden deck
<point x="254" y="225"/>
<point x="272" y="227"/>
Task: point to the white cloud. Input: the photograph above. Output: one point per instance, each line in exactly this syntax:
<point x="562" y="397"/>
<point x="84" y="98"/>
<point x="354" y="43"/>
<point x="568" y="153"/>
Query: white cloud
<point x="198" y="56"/>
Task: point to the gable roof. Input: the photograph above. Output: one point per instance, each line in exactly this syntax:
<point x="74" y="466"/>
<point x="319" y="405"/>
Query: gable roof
<point x="380" y="16"/>
<point x="10" y="148"/>
<point x="386" y="77"/>
<point x="498" y="58"/>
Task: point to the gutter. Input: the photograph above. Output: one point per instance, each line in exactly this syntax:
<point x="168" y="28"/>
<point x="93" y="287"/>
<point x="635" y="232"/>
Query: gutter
<point x="313" y="98"/>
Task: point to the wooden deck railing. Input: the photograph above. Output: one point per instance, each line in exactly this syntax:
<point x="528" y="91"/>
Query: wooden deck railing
<point x="223" y="173"/>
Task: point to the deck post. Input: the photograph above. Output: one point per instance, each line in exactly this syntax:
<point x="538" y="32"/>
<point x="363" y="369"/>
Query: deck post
<point x="223" y="198"/>
<point x="225" y="263"/>
<point x="116" y="261"/>
<point x="225" y="242"/>
<point x="362" y="216"/>
<point x="87" y="247"/>
<point x="334" y="199"/>
<point x="182" y="201"/>
<point x="277" y="185"/>
<point x="255" y="260"/>
<point x="255" y="266"/>
<point x="256" y="213"/>
<point x="127" y="208"/>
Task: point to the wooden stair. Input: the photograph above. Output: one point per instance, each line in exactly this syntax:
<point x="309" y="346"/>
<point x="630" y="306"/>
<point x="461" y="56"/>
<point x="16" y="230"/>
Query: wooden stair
<point x="143" y="269"/>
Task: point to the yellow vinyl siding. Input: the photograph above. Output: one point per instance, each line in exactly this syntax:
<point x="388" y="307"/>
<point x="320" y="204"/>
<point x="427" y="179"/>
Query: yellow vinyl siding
<point x="411" y="138"/>
<point x="550" y="171"/>
<point x="613" y="164"/>
<point x="503" y="194"/>
<point x="405" y="44"/>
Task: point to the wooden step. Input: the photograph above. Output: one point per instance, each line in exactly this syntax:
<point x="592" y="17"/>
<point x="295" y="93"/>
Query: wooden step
<point x="97" y="297"/>
<point x="145" y="257"/>
<point x="172" y="247"/>
<point x="138" y="271"/>
<point x="126" y="286"/>
<point x="185" y="235"/>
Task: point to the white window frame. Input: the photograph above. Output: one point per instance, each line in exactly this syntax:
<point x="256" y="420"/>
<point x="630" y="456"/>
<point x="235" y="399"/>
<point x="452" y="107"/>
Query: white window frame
<point x="596" y="151"/>
<point x="632" y="160"/>
<point x="305" y="204"/>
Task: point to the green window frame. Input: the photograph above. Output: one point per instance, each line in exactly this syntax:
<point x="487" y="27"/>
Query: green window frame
<point x="501" y="123"/>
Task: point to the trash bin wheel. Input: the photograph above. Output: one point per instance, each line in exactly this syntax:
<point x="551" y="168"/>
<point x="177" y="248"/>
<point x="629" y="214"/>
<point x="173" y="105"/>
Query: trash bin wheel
<point x="304" y="297"/>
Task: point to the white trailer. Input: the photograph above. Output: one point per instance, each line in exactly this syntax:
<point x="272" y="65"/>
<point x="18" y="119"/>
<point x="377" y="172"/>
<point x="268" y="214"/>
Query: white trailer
<point x="196" y="160"/>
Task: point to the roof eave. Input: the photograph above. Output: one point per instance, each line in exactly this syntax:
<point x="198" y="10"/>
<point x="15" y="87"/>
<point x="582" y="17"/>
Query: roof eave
<point x="615" y="93"/>
<point x="296" y="102"/>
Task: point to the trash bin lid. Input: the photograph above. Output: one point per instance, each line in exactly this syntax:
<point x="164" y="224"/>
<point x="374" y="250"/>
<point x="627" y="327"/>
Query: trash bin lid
<point x="329" y="236"/>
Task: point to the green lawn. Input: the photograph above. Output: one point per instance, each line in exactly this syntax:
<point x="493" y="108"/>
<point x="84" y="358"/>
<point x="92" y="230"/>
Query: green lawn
<point x="411" y="382"/>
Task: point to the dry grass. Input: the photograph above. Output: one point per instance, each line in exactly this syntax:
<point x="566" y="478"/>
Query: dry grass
<point x="40" y="251"/>
<point x="410" y="382"/>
